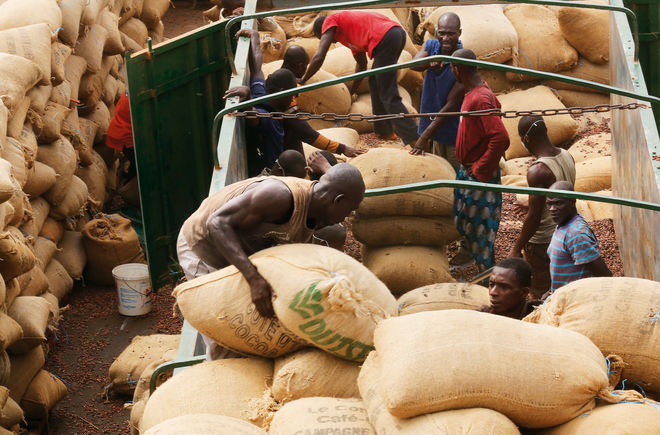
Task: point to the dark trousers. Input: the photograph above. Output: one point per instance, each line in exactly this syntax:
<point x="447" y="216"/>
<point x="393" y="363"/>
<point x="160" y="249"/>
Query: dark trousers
<point x="385" y="96"/>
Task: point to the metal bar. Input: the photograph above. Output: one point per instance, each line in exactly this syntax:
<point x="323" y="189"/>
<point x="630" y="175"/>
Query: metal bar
<point x="475" y="185"/>
<point x="170" y="365"/>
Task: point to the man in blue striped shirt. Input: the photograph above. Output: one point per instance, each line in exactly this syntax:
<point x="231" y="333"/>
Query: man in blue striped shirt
<point x="573" y="251"/>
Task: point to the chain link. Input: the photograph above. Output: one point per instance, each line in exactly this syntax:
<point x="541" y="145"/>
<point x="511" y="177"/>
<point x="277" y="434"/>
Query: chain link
<point x="355" y="117"/>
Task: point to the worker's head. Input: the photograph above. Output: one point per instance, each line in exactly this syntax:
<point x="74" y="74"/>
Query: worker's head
<point x="533" y="134"/>
<point x="329" y="157"/>
<point x="338" y="193"/>
<point x="230" y="5"/>
<point x="447" y="31"/>
<point x="561" y="209"/>
<point x="318" y="26"/>
<point x="333" y="236"/>
<point x="296" y="60"/>
<point x="290" y="164"/>
<point x="509" y="285"/>
<point x="464" y="72"/>
<point x="281" y="80"/>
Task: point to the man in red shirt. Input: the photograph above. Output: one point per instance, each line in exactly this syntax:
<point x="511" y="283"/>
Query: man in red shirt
<point x="120" y="138"/>
<point x="373" y="34"/>
<point x="480" y="143"/>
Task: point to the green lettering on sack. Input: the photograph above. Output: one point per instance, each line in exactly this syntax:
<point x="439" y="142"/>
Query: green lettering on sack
<point x="306" y="302"/>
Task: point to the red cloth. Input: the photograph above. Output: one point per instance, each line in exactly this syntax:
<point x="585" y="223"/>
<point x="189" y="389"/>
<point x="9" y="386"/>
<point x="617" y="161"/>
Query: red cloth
<point x="120" y="132"/>
<point x="358" y="30"/>
<point x="481" y="140"/>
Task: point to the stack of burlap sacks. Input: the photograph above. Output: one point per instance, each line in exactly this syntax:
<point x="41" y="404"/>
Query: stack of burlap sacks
<point x="433" y="363"/>
<point x="54" y="57"/>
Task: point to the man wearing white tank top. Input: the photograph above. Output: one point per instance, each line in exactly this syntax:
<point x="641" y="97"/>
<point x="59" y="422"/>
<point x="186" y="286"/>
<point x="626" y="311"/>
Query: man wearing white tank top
<point x="553" y="164"/>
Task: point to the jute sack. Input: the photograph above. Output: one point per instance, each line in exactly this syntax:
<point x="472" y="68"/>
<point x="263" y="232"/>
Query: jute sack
<point x="60" y="156"/>
<point x="599" y="73"/>
<point x="59" y="281"/>
<point x="361" y="105"/>
<point x="517" y="166"/>
<point x="486" y="31"/>
<point x="16" y="257"/>
<point x="94" y="177"/>
<point x="11" y="413"/>
<point x="601" y="210"/>
<point x="90" y="47"/>
<point x="348" y="301"/>
<point x="74" y="201"/>
<point x="101" y="116"/>
<point x="7" y="181"/>
<point x="458" y="422"/>
<point x="619" y="418"/>
<point x="4" y="118"/>
<point x="541" y="45"/>
<point x="591" y="147"/>
<point x="40" y="210"/>
<point x="3" y="292"/>
<point x="143" y="351"/>
<point x="561" y="128"/>
<point x="52" y="119"/>
<point x="31" y="42"/>
<point x="309" y="44"/>
<point x="110" y="86"/>
<point x="322" y="415"/>
<point x="91" y="88"/>
<point x="514" y="180"/>
<point x="383" y="167"/>
<point x="59" y="54"/>
<point x="20" y="203"/>
<point x="344" y="135"/>
<point x="13" y="290"/>
<point x="5" y="372"/>
<point x="499" y="83"/>
<point x="34" y="282"/>
<point x="18" y="13"/>
<point x="88" y="130"/>
<point x="92" y="11"/>
<point x="14" y="154"/>
<point x="17" y="75"/>
<point x="130" y="44"/>
<point x="52" y="230"/>
<point x="444" y="296"/>
<point x="38" y="97"/>
<point x="153" y="11"/>
<point x="593" y="175"/>
<point x="6" y="214"/>
<point x="24" y="368"/>
<point x="616" y="314"/>
<point x="28" y="141"/>
<point x="331" y="99"/>
<point x="404" y="268"/>
<point x="10" y="331"/>
<point x="44" y="250"/>
<point x="404" y="230"/>
<point x="71" y="14"/>
<point x="313" y="373"/>
<point x="135" y="30"/>
<point x="273" y="40"/>
<point x="74" y="68"/>
<point x="156" y="33"/>
<point x="33" y="314"/>
<point x="110" y="23"/>
<point x="42" y="395"/>
<point x="520" y="382"/>
<point x="577" y="98"/>
<point x="17" y="118"/>
<point x="588" y="30"/>
<point x="231" y="387"/>
<point x="71" y="254"/>
<point x="109" y="241"/>
<point x="53" y="304"/>
<point x="207" y="424"/>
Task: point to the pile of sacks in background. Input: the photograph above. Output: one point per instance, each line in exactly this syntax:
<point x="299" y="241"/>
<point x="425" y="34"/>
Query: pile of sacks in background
<point x="60" y="76"/>
<point x="344" y="356"/>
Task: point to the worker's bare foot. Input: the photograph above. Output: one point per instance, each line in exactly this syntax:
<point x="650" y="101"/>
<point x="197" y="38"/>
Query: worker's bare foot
<point x="390" y="136"/>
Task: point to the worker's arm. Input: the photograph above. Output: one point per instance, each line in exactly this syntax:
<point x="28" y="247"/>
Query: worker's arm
<point x="243" y="93"/>
<point x="420" y="55"/>
<point x="301" y="129"/>
<point x="599" y="268"/>
<point x="538" y="175"/>
<point x="269" y="201"/>
<point x="360" y="65"/>
<point x="317" y="60"/>
<point x="453" y="104"/>
<point x="317" y="163"/>
<point x="584" y="250"/>
<point x="255" y="59"/>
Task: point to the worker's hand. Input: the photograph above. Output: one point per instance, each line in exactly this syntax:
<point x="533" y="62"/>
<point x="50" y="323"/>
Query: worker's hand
<point x="354" y="97"/>
<point x="245" y="32"/>
<point x="468" y="170"/>
<point x="317" y="163"/>
<point x="242" y="92"/>
<point x="514" y="253"/>
<point x="420" y="147"/>
<point x="352" y="152"/>
<point x="237" y="12"/>
<point x="520" y="208"/>
<point x="300" y="81"/>
<point x="436" y="65"/>
<point x="261" y="293"/>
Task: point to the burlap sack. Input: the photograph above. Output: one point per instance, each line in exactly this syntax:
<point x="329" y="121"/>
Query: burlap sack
<point x="514" y="180"/>
<point x="59" y="281"/>
<point x="71" y="14"/>
<point x="3" y="292"/>
<point x="599" y="73"/>
<point x="42" y="395"/>
<point x="486" y="31"/>
<point x="52" y="230"/>
<point x="591" y="147"/>
<point x="309" y="44"/>
<point x="153" y="11"/>
<point x="30" y="42"/>
<point x="130" y="44"/>
<point x="404" y="230"/>
<point x="541" y="45"/>
<point x="588" y="30"/>
<point x="10" y="331"/>
<point x="60" y="156"/>
<point x="207" y="424"/>
<point x="4" y="118"/>
<point x="59" y="54"/>
<point x="17" y="75"/>
<point x="101" y="116"/>
<point x="24" y="368"/>
<point x="91" y="88"/>
<point x="273" y="40"/>
<point x="582" y="99"/>
<point x="11" y="414"/>
<point x="601" y="210"/>
<point x="561" y="128"/>
<point x="74" y="201"/>
<point x="71" y="254"/>
<point x="94" y="176"/>
<point x="14" y="154"/>
<point x="344" y="135"/>
<point x="314" y="373"/>
<point x="135" y="30"/>
<point x="404" y="268"/>
<point x="90" y="46"/>
<point x="230" y="387"/>
<point x="517" y="166"/>
<point x="18" y="13"/>
<point x="92" y="11"/>
<point x="33" y="282"/>
<point x="499" y="83"/>
<point x="13" y="290"/>
<point x="7" y="181"/>
<point x="322" y="415"/>
<point x="52" y="118"/>
<point x="382" y="167"/>
<point x="110" y="23"/>
<point x="44" y="249"/>
<point x="110" y="86"/>
<point x="623" y="418"/>
<point x="87" y="130"/>
<point x="444" y="296"/>
<point x="74" y="68"/>
<point x="28" y="141"/>
<point x="361" y="105"/>
<point x="53" y="304"/>
<point x="20" y="203"/>
<point x="458" y="422"/>
<point x="6" y="214"/>
<point x="17" y="118"/>
<point x="593" y="175"/>
<point x="40" y="210"/>
<point x="331" y="99"/>
<point x="39" y="95"/>
<point x="16" y="257"/>
<point x="617" y="314"/>
<point x="521" y="382"/>
<point x="143" y="351"/>
<point x="33" y="314"/>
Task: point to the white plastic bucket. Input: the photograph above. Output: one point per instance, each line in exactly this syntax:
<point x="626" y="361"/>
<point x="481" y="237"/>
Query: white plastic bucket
<point x="133" y="288"/>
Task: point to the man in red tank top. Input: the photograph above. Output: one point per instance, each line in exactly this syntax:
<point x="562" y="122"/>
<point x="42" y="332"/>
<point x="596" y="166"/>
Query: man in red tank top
<point x="375" y="35"/>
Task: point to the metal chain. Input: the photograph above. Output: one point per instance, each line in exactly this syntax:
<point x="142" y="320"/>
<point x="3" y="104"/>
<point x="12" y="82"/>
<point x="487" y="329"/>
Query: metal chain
<point x="355" y="117"/>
